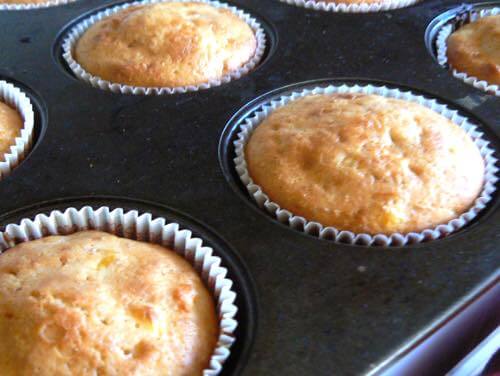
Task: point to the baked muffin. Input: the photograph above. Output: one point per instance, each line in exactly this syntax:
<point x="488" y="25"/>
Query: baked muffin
<point x="474" y="49"/>
<point x="95" y="304"/>
<point x="365" y="163"/>
<point x="11" y="124"/>
<point x="167" y="44"/>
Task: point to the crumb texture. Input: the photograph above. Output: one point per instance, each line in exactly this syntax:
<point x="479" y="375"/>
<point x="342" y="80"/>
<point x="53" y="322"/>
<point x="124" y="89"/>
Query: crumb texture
<point x="365" y="163"/>
<point x="167" y="44"/>
<point x="95" y="304"/>
<point x="11" y="124"/>
<point x="474" y="49"/>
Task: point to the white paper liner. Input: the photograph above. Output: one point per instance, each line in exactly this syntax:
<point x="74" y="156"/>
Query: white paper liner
<point x="352" y="8"/>
<point x="77" y="31"/>
<point x="342" y="236"/>
<point x="441" y="48"/>
<point x="142" y="227"/>
<point x="17" y="99"/>
<point x="34" y="5"/>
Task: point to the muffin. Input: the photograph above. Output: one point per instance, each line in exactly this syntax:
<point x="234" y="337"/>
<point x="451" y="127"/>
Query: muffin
<point x="11" y="124"/>
<point x="93" y="303"/>
<point x="365" y="163"/>
<point x="167" y="44"/>
<point x="474" y="49"/>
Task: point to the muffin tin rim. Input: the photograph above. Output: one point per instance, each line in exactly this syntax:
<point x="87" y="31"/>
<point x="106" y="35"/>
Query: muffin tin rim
<point x="439" y="322"/>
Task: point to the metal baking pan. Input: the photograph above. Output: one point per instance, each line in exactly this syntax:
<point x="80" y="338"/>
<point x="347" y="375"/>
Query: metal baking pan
<point x="307" y="306"/>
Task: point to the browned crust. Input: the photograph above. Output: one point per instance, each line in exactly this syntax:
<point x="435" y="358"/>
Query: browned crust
<point x="365" y="163"/>
<point x="474" y="49"/>
<point x="167" y="44"/>
<point x="92" y="303"/>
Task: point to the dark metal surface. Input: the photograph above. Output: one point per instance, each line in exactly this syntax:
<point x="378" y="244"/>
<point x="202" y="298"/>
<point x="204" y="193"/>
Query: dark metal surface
<point x="322" y="308"/>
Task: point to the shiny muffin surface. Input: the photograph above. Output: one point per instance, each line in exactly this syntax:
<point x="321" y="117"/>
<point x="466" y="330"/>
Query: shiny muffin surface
<point x="166" y="45"/>
<point x="474" y="49"/>
<point x="365" y="163"/>
<point x="11" y="124"/>
<point x="95" y="304"/>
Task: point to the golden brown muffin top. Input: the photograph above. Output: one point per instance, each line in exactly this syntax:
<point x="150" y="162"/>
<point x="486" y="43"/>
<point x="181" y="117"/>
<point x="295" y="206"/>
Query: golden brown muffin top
<point x="474" y="49"/>
<point x="365" y="163"/>
<point x="96" y="304"/>
<point x="11" y="124"/>
<point x="167" y="44"/>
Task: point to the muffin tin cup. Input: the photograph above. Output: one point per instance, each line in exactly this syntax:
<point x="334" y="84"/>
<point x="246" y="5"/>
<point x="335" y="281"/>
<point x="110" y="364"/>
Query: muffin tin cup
<point x="131" y="225"/>
<point x="343" y="236"/>
<point x="77" y="31"/>
<point x="352" y="8"/>
<point x="15" y="98"/>
<point x="34" y="5"/>
<point x="466" y="16"/>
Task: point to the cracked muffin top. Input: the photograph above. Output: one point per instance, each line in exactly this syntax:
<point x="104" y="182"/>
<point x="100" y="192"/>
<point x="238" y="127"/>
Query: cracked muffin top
<point x="365" y="163"/>
<point x="92" y="303"/>
<point x="166" y="45"/>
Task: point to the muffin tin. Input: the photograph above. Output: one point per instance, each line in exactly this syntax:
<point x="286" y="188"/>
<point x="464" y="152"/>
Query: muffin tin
<point x="307" y="306"/>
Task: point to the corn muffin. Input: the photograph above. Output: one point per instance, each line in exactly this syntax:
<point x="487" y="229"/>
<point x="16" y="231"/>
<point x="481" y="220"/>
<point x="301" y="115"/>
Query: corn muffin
<point x="166" y="45"/>
<point x="365" y="163"/>
<point x="92" y="303"/>
<point x="11" y="124"/>
<point x="474" y="49"/>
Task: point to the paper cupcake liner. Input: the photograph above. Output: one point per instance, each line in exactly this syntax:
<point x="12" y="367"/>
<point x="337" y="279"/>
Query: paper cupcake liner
<point x="352" y="8"/>
<point x="343" y="236"/>
<point x="77" y="31"/>
<point x="441" y="47"/>
<point x="17" y="99"/>
<point x="34" y="5"/>
<point x="142" y="227"/>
